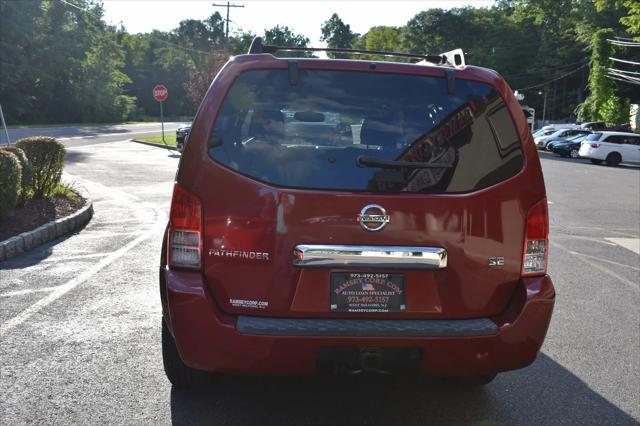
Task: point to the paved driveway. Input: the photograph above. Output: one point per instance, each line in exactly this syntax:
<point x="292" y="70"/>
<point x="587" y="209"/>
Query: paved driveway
<point x="80" y="320"/>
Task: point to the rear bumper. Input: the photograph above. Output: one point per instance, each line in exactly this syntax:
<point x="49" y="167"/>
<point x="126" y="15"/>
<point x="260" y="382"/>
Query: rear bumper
<point x="593" y="153"/>
<point x="209" y="339"/>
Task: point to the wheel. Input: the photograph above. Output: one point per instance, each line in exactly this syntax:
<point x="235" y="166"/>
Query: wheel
<point x="178" y="373"/>
<point x="574" y="153"/>
<point x="613" y="159"/>
<point x="596" y="161"/>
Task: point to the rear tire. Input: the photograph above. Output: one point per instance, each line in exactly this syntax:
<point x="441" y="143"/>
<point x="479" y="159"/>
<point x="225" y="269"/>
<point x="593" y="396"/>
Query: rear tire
<point x="613" y="159"/>
<point x="178" y="373"/>
<point x="574" y="153"/>
<point x="596" y="161"/>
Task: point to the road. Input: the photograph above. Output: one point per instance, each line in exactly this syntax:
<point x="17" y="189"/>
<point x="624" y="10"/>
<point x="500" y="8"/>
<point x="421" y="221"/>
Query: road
<point x="91" y="134"/>
<point x="80" y="320"/>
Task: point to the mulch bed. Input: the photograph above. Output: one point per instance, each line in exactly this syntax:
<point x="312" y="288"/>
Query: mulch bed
<point x="38" y="212"/>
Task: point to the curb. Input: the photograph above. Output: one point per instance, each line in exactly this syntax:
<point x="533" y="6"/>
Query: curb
<point x="157" y="145"/>
<point x="26" y="241"/>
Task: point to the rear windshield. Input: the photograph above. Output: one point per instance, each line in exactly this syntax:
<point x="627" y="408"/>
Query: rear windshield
<point x="365" y="131"/>
<point x="594" y="136"/>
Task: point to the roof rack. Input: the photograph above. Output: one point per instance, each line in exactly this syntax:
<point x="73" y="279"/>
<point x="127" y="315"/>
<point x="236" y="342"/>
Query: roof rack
<point x="453" y="58"/>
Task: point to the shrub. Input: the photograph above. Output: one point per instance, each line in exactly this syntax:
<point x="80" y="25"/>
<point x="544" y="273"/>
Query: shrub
<point x="10" y="177"/>
<point x="46" y="156"/>
<point x="26" y="170"/>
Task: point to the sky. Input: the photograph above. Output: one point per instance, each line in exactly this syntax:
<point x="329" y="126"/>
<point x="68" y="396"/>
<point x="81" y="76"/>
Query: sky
<point x="303" y="17"/>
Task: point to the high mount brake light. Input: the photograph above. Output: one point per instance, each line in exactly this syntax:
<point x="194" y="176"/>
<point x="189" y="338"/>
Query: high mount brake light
<point x="536" y="240"/>
<point x="185" y="230"/>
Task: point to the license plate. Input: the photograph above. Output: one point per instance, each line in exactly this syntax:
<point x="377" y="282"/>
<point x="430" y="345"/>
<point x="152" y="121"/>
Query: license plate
<point x="367" y="292"/>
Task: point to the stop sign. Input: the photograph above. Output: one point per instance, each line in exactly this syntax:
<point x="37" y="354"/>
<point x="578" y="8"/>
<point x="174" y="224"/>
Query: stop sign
<point x="160" y="93"/>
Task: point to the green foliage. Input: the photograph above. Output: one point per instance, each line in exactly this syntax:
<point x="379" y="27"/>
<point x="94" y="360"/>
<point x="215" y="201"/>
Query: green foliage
<point x="64" y="64"/>
<point x="337" y="34"/>
<point x="283" y="36"/>
<point x="10" y="180"/>
<point x="26" y="172"/>
<point x="46" y="156"/>
<point x="632" y="7"/>
<point x="67" y="190"/>
<point x="603" y="103"/>
<point x="632" y="20"/>
<point x="615" y="110"/>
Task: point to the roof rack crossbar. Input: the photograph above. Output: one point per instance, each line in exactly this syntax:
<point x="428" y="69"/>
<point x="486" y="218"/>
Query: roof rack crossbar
<point x="258" y="47"/>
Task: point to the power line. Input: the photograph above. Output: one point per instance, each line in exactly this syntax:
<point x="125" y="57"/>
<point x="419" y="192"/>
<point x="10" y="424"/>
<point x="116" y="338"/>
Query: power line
<point x="623" y="71"/>
<point x="228" y="6"/>
<point x="624" y="43"/>
<point x="624" y="79"/>
<point x="555" y="68"/>
<point x="76" y="6"/>
<point x="624" y="61"/>
<point x="555" y="79"/>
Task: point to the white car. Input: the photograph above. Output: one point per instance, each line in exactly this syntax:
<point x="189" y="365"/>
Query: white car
<point x="611" y="147"/>
<point x="542" y="141"/>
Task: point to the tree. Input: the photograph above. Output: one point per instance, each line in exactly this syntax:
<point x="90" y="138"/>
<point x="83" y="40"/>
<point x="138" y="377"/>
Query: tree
<point x="283" y="36"/>
<point x="199" y="80"/>
<point x="602" y="103"/>
<point x="337" y="34"/>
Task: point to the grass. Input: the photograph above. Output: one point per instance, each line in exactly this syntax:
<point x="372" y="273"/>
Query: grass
<point x="169" y="139"/>
<point x="66" y="190"/>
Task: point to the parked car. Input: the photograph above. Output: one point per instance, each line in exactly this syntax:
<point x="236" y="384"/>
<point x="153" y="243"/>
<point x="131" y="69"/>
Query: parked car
<point x="612" y="147"/>
<point x="569" y="147"/>
<point x="561" y="134"/>
<point x="594" y="125"/>
<point x="420" y="247"/>
<point x="569" y="134"/>
<point x="182" y="133"/>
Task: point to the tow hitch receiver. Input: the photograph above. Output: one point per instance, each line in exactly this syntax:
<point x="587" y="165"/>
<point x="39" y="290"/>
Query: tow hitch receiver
<point x="368" y="360"/>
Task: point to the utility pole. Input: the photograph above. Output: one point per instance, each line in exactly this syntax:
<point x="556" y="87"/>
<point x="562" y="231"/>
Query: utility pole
<point x="228" y="6"/>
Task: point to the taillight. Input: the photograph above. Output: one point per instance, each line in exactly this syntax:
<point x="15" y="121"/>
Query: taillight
<point x="595" y="145"/>
<point x="185" y="230"/>
<point x="536" y="240"/>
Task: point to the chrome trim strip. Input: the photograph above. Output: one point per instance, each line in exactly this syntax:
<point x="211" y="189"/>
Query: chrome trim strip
<point x="339" y="256"/>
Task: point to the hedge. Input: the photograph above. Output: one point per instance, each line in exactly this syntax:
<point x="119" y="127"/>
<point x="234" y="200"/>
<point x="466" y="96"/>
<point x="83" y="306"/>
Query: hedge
<point x="46" y="156"/>
<point x="26" y="171"/>
<point x="10" y="180"/>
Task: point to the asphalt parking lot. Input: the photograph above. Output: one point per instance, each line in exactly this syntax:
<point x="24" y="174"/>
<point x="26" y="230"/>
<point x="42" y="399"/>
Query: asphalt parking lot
<point x="80" y="320"/>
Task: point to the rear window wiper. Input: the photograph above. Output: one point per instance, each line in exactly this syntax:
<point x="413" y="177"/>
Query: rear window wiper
<point x="364" y="161"/>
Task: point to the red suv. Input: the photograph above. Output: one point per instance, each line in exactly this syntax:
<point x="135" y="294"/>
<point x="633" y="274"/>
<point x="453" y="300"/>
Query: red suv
<point x="343" y="216"/>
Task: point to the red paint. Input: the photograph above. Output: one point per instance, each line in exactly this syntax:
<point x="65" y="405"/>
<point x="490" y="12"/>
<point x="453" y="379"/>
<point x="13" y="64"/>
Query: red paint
<point x="160" y="93"/>
<point x="242" y="214"/>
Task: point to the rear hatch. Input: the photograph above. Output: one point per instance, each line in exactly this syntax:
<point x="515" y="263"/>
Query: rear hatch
<point x="409" y="190"/>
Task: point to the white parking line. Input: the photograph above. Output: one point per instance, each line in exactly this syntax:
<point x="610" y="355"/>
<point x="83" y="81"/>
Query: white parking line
<point x="63" y="289"/>
<point x="601" y="268"/>
<point x="27" y="291"/>
<point x="632" y="244"/>
<point x="70" y="285"/>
